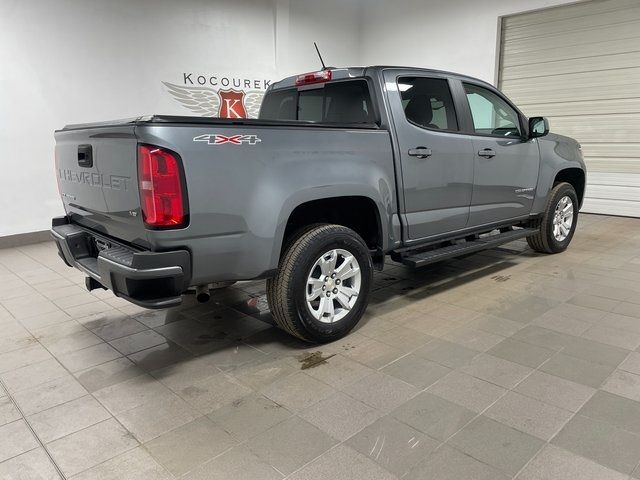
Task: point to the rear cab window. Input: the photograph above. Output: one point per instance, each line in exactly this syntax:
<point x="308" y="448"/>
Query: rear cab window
<point x="340" y="102"/>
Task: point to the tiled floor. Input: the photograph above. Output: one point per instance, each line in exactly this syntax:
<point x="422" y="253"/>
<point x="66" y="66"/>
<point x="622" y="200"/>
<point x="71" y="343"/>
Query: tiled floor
<point x="505" y="364"/>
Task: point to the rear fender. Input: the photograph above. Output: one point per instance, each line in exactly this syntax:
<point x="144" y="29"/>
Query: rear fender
<point x="326" y="192"/>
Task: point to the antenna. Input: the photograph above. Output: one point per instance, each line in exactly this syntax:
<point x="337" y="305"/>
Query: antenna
<point x="319" y="56"/>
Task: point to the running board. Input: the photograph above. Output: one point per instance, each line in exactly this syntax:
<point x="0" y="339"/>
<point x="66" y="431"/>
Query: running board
<point x="419" y="259"/>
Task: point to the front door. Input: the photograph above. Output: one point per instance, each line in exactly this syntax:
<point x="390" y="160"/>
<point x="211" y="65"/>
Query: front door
<point x="506" y="164"/>
<point x="436" y="161"/>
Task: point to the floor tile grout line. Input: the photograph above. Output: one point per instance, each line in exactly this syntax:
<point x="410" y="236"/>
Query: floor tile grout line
<point x="66" y="402"/>
<point x="250" y="345"/>
<point x="14" y="272"/>
<point x="117" y="420"/>
<point x="445" y="442"/>
<point x="53" y="355"/>
<point x="533" y="457"/>
<point x="296" y="414"/>
<point x="634" y="470"/>
<point x="143" y="444"/>
<point x="281" y="473"/>
<point x="110" y="458"/>
<point x="573" y="415"/>
<point x="481" y="413"/>
<point x="546" y="442"/>
<point x="333" y="447"/>
<point x="441" y="443"/>
<point x="242" y="442"/>
<point x="89" y="393"/>
<point x="208" y="460"/>
<point x="33" y="432"/>
<point x="238" y="444"/>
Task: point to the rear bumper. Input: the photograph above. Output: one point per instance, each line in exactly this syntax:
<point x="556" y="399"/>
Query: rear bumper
<point x="148" y="279"/>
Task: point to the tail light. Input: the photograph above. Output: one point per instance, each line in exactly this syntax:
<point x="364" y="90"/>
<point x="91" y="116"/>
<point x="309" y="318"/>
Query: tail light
<point x="161" y="186"/>
<point x="313" y="77"/>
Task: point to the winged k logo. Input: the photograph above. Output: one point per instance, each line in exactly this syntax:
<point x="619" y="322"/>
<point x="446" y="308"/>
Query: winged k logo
<point x="212" y="102"/>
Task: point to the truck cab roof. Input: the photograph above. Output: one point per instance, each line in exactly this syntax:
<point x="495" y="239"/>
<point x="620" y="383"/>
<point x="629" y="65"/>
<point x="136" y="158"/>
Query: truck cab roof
<point x="343" y="73"/>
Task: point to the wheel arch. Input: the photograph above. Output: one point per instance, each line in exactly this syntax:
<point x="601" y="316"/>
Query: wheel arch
<point x="575" y="177"/>
<point x="361" y="212"/>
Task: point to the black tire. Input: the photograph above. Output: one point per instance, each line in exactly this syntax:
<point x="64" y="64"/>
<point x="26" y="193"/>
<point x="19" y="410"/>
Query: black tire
<point x="544" y="241"/>
<point x="286" y="292"/>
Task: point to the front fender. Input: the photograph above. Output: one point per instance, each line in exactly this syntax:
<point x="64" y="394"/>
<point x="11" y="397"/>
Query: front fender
<point x="557" y="153"/>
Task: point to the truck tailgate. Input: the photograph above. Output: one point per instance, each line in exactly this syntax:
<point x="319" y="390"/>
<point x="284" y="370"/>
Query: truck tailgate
<point x="97" y="177"/>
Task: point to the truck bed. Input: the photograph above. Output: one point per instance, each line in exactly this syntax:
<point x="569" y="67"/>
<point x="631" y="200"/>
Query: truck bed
<point x="239" y="195"/>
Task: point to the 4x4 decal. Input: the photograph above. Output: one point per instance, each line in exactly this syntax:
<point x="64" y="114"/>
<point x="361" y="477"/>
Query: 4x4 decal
<point x="217" y="139"/>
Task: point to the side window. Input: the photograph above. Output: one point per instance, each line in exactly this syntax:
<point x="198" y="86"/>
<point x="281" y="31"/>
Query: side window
<point x="427" y="102"/>
<point x="491" y="114"/>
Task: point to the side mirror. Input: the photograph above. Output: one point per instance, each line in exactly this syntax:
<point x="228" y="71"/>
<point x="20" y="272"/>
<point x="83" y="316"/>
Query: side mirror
<point x="538" y="127"/>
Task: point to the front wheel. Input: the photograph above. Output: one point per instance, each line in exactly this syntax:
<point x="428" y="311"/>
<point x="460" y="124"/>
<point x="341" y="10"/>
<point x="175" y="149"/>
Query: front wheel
<point x="558" y="222"/>
<point x="322" y="286"/>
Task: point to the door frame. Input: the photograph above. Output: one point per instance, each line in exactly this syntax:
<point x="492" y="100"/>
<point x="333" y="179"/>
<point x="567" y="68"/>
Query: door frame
<point x="461" y="95"/>
<point x="451" y="79"/>
<point x="471" y="132"/>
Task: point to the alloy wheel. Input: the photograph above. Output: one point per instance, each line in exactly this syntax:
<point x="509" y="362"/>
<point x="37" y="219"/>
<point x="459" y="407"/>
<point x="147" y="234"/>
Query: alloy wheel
<point x="333" y="285"/>
<point x="563" y="219"/>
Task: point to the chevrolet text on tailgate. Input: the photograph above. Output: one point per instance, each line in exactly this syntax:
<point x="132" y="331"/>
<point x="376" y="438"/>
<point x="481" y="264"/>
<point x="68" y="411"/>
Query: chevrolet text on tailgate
<point x="343" y="167"/>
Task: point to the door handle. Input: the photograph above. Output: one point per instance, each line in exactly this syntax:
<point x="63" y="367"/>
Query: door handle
<point x="420" y="152"/>
<point x="486" y="153"/>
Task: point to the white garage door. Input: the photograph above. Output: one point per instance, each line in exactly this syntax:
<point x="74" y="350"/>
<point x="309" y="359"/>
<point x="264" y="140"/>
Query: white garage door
<point x="579" y="65"/>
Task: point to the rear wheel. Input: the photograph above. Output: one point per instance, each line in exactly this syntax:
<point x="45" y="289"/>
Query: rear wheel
<point x="558" y="222"/>
<point x="322" y="286"/>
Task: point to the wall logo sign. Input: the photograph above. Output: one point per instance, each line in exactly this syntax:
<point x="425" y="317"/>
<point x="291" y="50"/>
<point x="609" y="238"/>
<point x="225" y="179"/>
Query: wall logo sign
<point x="217" y="139"/>
<point x="219" y="96"/>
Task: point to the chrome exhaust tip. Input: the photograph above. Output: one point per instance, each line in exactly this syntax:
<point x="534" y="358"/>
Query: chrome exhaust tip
<point x="202" y="293"/>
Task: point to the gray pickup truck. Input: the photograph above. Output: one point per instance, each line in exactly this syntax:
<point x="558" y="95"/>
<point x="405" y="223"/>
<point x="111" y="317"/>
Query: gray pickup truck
<point x="343" y="167"/>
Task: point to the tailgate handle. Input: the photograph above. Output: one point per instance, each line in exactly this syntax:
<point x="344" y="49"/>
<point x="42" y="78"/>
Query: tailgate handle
<point x="85" y="156"/>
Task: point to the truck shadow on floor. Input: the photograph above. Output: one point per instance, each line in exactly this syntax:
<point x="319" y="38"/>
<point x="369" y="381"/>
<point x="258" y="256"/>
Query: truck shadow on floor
<point x="234" y="331"/>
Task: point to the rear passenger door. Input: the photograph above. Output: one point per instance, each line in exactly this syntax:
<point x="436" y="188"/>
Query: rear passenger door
<point x="506" y="162"/>
<point x="436" y="161"/>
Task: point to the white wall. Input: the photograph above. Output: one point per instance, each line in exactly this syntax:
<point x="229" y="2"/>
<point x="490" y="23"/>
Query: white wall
<point x="333" y="24"/>
<point x="70" y="61"/>
<point x="454" y="35"/>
